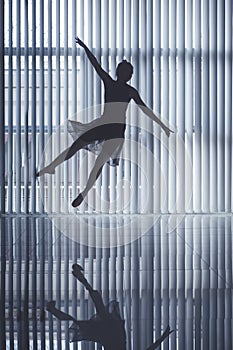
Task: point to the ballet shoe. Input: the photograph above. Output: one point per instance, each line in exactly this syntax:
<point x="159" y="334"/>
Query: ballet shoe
<point x="77" y="201"/>
<point x="50" y="305"/>
<point x="77" y="267"/>
<point x="77" y="272"/>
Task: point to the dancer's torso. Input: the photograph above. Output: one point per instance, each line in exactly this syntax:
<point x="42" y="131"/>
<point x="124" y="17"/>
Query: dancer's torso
<point x="117" y="97"/>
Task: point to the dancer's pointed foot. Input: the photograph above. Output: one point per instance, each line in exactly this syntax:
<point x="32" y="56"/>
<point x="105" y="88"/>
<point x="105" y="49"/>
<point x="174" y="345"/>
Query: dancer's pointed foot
<point x="77" y="201"/>
<point x="77" y="267"/>
<point x="77" y="272"/>
<point x="46" y="170"/>
<point x="50" y="305"/>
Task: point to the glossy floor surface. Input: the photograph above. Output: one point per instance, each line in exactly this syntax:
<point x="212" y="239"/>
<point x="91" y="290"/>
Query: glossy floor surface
<point x="162" y="270"/>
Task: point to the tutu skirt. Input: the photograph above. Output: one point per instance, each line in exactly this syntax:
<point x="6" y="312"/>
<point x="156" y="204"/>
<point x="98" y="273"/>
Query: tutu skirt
<point x="78" y="129"/>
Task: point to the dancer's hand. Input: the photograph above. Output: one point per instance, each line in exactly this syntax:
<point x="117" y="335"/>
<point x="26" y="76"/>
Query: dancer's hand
<point x="168" y="131"/>
<point x="79" y="41"/>
<point x="166" y="333"/>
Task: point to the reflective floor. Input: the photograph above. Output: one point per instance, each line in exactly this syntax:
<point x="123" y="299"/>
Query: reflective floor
<point x="162" y="270"/>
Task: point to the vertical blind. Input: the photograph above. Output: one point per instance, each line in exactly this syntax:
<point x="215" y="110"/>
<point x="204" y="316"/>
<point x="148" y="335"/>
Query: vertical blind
<point x="182" y="56"/>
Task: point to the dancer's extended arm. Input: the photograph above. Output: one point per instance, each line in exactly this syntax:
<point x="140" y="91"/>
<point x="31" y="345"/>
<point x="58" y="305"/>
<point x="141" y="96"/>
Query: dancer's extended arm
<point x="101" y="72"/>
<point x="149" y="112"/>
<point x="156" y="344"/>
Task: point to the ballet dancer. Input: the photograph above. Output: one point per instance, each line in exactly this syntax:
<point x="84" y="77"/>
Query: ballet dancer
<point x="106" y="327"/>
<point x="109" y="129"/>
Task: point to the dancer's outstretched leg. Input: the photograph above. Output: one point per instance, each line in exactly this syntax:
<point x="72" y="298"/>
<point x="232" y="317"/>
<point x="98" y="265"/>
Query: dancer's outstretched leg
<point x="94" y="294"/>
<point x="50" y="169"/>
<point x="59" y="314"/>
<point x="108" y="148"/>
<point x="77" y="273"/>
<point x="78" y="144"/>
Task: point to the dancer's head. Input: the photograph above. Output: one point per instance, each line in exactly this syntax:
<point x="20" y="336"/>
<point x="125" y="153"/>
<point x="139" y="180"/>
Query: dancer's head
<point x="124" y="71"/>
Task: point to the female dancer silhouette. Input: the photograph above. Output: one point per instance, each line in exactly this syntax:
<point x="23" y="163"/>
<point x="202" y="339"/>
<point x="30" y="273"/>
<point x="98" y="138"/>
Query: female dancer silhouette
<point x="106" y="327"/>
<point x="109" y="128"/>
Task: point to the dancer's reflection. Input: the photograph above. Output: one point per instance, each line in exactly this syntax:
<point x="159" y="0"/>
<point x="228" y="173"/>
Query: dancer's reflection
<point x="108" y="130"/>
<point x="106" y="327"/>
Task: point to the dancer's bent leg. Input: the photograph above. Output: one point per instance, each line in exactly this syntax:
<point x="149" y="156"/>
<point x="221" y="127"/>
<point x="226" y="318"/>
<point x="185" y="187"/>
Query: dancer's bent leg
<point x="95" y="173"/>
<point x="108" y="148"/>
<point x="94" y="294"/>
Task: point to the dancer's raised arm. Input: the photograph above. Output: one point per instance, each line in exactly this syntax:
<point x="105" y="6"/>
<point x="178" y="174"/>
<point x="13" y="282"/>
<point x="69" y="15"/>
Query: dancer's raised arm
<point x="149" y="112"/>
<point x="101" y="72"/>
